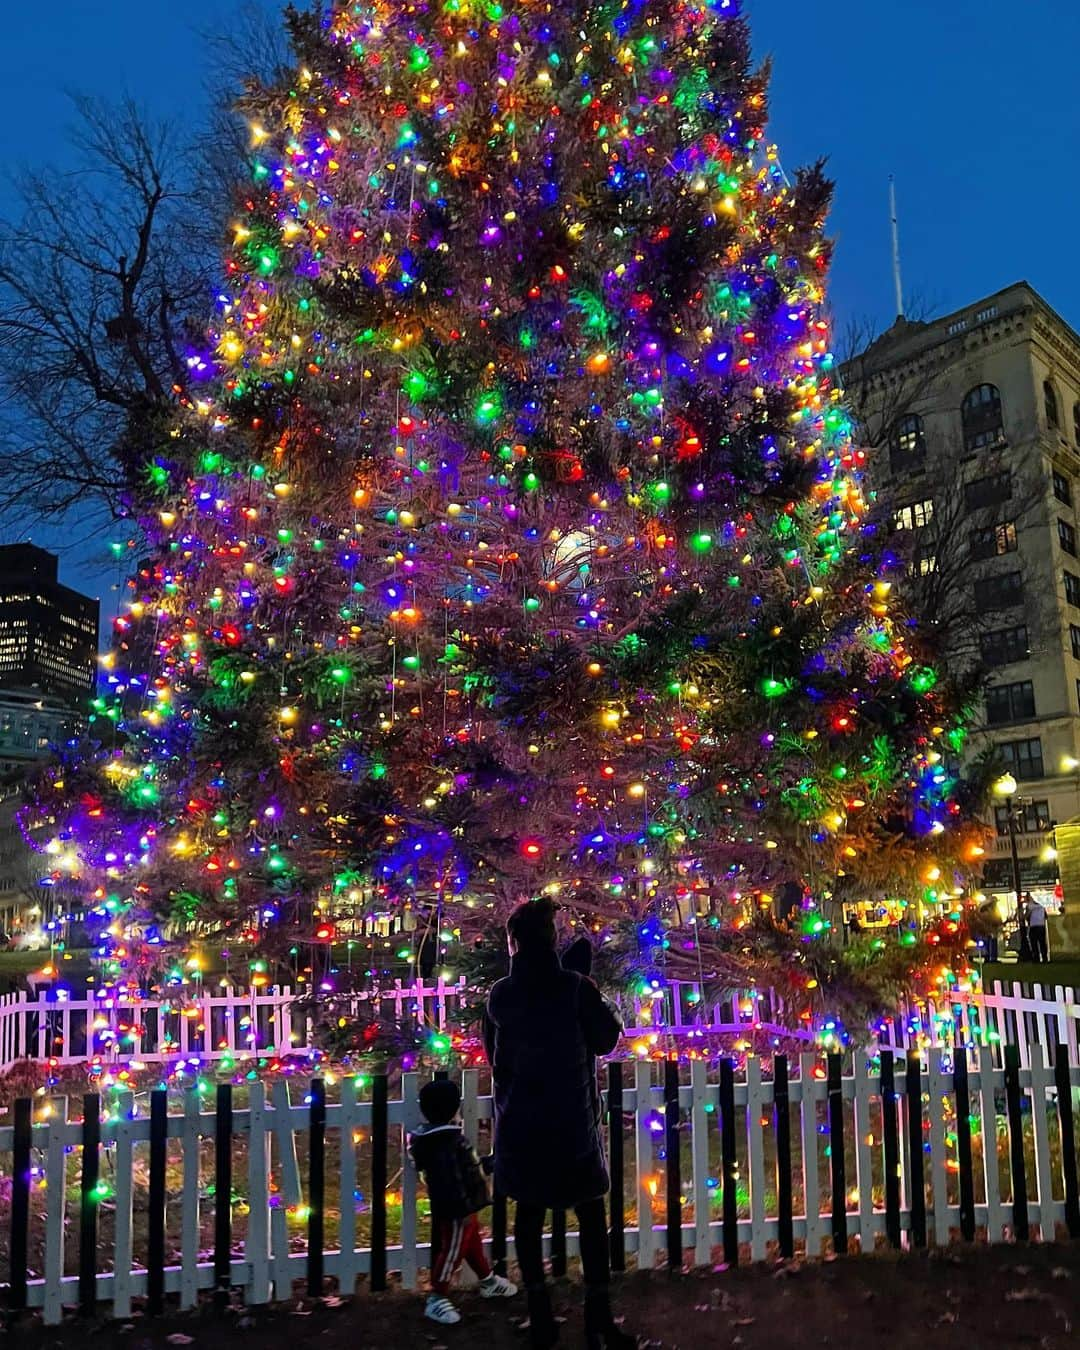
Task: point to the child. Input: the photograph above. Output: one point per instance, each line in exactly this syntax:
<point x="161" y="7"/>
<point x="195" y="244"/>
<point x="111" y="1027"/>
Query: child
<point x="457" y="1190"/>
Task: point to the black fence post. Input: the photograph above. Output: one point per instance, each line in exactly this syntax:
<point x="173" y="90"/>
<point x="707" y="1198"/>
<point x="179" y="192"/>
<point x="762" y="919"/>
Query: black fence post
<point x="1068" y="1139"/>
<point x="836" y="1154"/>
<point x="917" y="1178"/>
<point x="1016" y="1143"/>
<point x="617" y="1226"/>
<point x="673" y="1164"/>
<point x="155" y="1217"/>
<point x="728" y="1161"/>
<point x="20" y="1203"/>
<point x="316" y="1188"/>
<point x="223" y="1135"/>
<point x="379" y="1139"/>
<point x="963" y="1145"/>
<point x="891" y="1136"/>
<point x="782" y="1118"/>
<point x="88" y="1207"/>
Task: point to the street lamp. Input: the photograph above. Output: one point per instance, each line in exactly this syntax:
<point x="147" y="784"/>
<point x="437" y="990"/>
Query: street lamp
<point x="1005" y="787"/>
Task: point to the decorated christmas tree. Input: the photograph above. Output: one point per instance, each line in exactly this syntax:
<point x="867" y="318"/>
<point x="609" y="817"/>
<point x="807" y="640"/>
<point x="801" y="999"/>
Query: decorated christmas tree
<point x="509" y="538"/>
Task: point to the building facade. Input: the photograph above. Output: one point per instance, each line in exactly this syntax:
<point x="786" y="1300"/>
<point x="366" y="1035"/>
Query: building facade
<point x="973" y="425"/>
<point x="48" y="632"/>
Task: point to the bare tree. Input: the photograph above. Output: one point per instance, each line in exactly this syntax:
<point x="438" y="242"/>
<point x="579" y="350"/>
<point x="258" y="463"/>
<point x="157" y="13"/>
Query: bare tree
<point x="97" y="281"/>
<point x="104" y="284"/>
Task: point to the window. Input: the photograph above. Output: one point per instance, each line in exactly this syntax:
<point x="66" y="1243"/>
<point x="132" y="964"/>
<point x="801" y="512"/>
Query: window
<point x="1010" y="703"/>
<point x="1074" y="638"/>
<point x="923" y="562"/>
<point x="1062" y="490"/>
<point x="1005" y="645"/>
<point x="982" y="417"/>
<point x="1072" y="589"/>
<point x="1067" y="537"/>
<point x="988" y="491"/>
<point x="908" y="441"/>
<point x="1031" y="818"/>
<point x="1050" y="404"/>
<point x="957" y="327"/>
<point x="1076" y="423"/>
<point x="993" y="540"/>
<point x="984" y="315"/>
<point x="915" y="516"/>
<point x="1023" y="759"/>
<point x="1000" y="592"/>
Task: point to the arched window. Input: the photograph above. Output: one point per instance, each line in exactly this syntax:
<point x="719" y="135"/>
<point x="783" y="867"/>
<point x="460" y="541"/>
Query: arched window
<point x="1050" y="403"/>
<point x="907" y="442"/>
<point x="982" y="416"/>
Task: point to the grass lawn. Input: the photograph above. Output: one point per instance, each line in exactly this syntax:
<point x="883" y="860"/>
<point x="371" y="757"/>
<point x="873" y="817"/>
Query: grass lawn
<point x="1027" y="972"/>
<point x="1003" y="1297"/>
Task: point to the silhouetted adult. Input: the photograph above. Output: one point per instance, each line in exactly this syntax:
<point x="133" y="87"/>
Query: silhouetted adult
<point x="544" y="1027"/>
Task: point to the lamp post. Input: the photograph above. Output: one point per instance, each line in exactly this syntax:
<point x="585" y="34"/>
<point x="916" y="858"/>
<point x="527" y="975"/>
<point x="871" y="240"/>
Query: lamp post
<point x="1005" y="787"/>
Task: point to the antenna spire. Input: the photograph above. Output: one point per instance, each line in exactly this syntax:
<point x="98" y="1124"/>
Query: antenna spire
<point x="898" y="280"/>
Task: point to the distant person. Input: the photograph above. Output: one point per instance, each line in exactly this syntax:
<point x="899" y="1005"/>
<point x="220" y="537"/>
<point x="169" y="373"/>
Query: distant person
<point x="457" y="1191"/>
<point x="544" y="1027"/>
<point x="1035" y="918"/>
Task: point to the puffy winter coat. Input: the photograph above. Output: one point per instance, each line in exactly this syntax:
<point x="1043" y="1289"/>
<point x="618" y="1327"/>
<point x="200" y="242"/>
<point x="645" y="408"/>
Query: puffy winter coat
<point x="455" y="1183"/>
<point x="544" y="1028"/>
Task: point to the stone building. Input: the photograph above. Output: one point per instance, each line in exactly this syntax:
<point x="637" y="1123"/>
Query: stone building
<point x="973" y="426"/>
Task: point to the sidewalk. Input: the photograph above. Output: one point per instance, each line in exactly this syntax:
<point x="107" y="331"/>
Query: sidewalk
<point x="1001" y="1297"/>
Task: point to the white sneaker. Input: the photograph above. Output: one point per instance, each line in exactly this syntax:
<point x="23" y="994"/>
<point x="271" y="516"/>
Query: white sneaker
<point x="497" y="1286"/>
<point x="439" y="1309"/>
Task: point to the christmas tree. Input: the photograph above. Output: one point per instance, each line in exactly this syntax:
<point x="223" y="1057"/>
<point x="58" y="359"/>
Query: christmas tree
<point x="509" y="537"/>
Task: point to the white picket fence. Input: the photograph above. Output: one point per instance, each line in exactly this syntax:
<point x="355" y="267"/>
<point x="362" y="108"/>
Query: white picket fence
<point x="267" y="1258"/>
<point x="1005" y="1014"/>
<point x="238" y="1025"/>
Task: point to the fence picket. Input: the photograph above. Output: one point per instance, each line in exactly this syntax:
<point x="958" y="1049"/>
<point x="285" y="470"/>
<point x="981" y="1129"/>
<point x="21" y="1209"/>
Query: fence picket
<point x="20" y="1203"/>
<point x="996" y="1216"/>
<point x="55" y="1205"/>
<point x="88" y="1203"/>
<point x="916" y="1174"/>
<point x="643" y="1147"/>
<point x="757" y="1102"/>
<point x="379" y="1138"/>
<point x="189" y="1207"/>
<point x="316" y="1226"/>
<point x="673" y="1164"/>
<point x="699" y="1161"/>
<point x="1016" y="1143"/>
<point x="782" y="1119"/>
<point x="1042" y="1083"/>
<point x="123" y="1259"/>
<point x="864" y="1167"/>
<point x="963" y="1146"/>
<point x="257" y="1239"/>
<point x="808" y="1133"/>
<point x="940" y="1102"/>
<point x="729" y="1162"/>
<point x="348" y="1120"/>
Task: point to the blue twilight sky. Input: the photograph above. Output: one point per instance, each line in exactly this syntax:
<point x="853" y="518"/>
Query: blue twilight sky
<point x="972" y="104"/>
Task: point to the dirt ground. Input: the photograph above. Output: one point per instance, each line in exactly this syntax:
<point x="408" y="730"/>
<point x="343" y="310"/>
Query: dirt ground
<point x="1000" y="1297"/>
